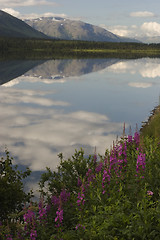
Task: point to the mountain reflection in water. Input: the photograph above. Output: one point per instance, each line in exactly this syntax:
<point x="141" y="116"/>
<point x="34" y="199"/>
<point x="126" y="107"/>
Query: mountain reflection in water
<point x="59" y="105"/>
<point x="11" y="69"/>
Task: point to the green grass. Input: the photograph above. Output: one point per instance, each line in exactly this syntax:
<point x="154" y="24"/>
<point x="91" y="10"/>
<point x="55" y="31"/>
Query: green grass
<point x="151" y="128"/>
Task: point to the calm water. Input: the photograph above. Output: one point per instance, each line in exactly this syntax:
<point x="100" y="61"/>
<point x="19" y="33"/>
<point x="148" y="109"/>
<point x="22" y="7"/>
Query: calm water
<point x="48" y="107"/>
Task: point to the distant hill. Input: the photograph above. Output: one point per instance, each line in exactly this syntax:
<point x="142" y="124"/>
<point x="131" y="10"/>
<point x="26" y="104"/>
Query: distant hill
<point x="155" y="39"/>
<point x="62" y="28"/>
<point x="13" y="27"/>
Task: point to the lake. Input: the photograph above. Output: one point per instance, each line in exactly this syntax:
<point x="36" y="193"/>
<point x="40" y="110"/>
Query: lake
<point x="54" y="106"/>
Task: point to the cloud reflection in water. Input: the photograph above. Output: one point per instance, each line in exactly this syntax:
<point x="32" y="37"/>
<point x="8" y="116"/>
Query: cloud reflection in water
<point x="36" y="134"/>
<point x="36" y="127"/>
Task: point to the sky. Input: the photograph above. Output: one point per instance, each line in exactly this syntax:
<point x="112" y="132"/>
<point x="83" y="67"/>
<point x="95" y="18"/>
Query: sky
<point x="126" y="18"/>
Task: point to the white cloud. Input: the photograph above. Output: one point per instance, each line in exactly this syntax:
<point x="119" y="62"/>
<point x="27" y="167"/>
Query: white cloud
<point x="12" y="12"/>
<point x="26" y="3"/>
<point x="34" y="79"/>
<point x="146" y="68"/>
<point x="150" y="70"/>
<point x="12" y="83"/>
<point x="122" y="67"/>
<point x="35" y="131"/>
<point x="146" y="72"/>
<point x="142" y="14"/>
<point x="36" y="135"/>
<point x="91" y="117"/>
<point x="29" y="96"/>
<point x="122" y="30"/>
<point x="151" y="28"/>
<point x="32" y="15"/>
<point x="119" y="67"/>
<point x="140" y="84"/>
<point x="47" y="14"/>
<point x="147" y="29"/>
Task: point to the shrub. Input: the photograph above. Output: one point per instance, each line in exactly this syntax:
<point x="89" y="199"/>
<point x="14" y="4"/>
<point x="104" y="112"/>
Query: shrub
<point x="12" y="194"/>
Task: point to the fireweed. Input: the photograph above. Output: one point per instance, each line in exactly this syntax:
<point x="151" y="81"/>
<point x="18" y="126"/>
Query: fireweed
<point x="42" y="212"/>
<point x="108" y="199"/>
<point x="30" y="224"/>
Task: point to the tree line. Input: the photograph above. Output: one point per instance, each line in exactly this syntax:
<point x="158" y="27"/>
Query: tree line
<point x="54" y="48"/>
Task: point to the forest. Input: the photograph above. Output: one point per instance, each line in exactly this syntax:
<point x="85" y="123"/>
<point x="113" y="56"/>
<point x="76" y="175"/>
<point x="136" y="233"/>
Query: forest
<point x="54" y="48"/>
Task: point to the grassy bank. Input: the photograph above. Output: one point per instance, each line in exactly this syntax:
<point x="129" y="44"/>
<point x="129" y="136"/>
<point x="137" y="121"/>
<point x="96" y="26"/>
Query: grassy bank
<point x="151" y="127"/>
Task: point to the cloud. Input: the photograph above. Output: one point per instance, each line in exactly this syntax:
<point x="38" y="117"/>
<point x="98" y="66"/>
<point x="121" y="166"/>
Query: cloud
<point x="35" y="135"/>
<point x="91" y="117"/>
<point x="122" y="67"/>
<point x="32" y="15"/>
<point x="142" y="14"/>
<point x="148" y="68"/>
<point x="140" y="84"/>
<point x="151" y="28"/>
<point x="47" y="14"/>
<point x="34" y="79"/>
<point x="22" y="3"/>
<point x="29" y="96"/>
<point x="147" y="29"/>
<point x="12" y="12"/>
<point x="122" y="30"/>
<point x="36" y="128"/>
<point x="151" y="70"/>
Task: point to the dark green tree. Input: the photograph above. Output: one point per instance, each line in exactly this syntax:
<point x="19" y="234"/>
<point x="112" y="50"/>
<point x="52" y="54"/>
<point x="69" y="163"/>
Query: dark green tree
<point x="12" y="194"/>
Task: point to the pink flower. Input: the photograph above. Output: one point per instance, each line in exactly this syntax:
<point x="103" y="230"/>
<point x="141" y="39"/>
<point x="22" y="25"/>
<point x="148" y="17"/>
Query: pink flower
<point x="106" y="179"/>
<point x="90" y="176"/>
<point x="29" y="216"/>
<point x="42" y="211"/>
<point x="80" y="226"/>
<point x="130" y="138"/>
<point x="150" y="193"/>
<point x="9" y="237"/>
<point x="64" y="196"/>
<point x="59" y="217"/>
<point x="55" y="200"/>
<point x="33" y="234"/>
<point x="79" y="182"/>
<point x="99" y="167"/>
<point x="81" y="199"/>
<point x="140" y="162"/>
<point x="137" y="138"/>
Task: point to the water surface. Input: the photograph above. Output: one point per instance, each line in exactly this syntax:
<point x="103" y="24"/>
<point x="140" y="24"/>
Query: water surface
<point x="54" y="106"/>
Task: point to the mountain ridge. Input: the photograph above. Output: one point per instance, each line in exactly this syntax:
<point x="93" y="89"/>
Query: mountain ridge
<point x="67" y="29"/>
<point x="11" y="26"/>
<point x="55" y="28"/>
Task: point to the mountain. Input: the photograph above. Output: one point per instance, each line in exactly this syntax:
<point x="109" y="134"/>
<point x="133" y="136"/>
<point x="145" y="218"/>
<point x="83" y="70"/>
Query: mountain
<point x="13" y="27"/>
<point x="62" y="28"/>
<point x="155" y="39"/>
<point x="60" y="69"/>
<point x="11" y="69"/>
<point x="50" y="70"/>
